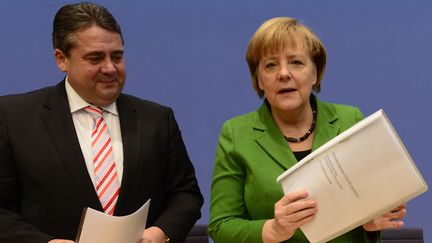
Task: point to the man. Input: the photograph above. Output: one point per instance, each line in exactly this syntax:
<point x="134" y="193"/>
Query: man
<point x="55" y="151"/>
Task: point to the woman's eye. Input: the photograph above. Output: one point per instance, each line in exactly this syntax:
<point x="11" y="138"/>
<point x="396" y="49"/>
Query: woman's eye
<point x="270" y="65"/>
<point x="297" y="62"/>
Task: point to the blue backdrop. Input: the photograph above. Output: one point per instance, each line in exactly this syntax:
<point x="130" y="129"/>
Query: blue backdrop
<point x="189" y="55"/>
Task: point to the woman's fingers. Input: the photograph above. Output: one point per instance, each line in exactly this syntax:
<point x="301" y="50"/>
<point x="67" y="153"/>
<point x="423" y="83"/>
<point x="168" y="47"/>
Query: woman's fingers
<point x="292" y="197"/>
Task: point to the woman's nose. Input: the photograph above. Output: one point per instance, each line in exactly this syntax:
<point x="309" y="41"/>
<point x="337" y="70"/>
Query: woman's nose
<point x="284" y="73"/>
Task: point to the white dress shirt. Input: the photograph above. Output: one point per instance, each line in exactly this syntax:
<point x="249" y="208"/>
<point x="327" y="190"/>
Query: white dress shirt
<point x="83" y="123"/>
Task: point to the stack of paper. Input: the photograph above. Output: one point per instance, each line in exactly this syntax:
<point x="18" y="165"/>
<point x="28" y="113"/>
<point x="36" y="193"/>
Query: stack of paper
<point x="360" y="174"/>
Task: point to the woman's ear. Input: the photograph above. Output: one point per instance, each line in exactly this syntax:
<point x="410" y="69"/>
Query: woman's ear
<point x="259" y="83"/>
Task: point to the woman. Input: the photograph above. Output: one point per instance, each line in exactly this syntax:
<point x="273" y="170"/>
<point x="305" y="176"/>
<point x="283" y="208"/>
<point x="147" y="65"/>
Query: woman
<point x="286" y="62"/>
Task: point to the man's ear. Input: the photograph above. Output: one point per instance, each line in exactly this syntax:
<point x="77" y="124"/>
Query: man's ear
<point x="60" y="59"/>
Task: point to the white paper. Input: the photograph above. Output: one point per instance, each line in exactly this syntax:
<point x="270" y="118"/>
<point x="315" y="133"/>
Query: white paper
<point x="355" y="177"/>
<point x="100" y="227"/>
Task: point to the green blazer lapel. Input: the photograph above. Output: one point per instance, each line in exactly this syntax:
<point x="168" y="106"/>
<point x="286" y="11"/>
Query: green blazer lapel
<point x="271" y="139"/>
<point x="326" y="127"/>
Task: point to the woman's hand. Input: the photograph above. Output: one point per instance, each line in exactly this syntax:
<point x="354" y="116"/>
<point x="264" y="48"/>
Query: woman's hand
<point x="390" y="220"/>
<point x="291" y="212"/>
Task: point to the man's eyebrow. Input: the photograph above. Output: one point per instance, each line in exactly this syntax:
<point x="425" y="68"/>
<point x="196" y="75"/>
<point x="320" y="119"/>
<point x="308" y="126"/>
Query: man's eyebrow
<point x="101" y="53"/>
<point x="117" y="51"/>
<point x="94" y="53"/>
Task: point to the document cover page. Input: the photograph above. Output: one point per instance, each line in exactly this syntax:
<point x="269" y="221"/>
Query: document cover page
<point x="360" y="174"/>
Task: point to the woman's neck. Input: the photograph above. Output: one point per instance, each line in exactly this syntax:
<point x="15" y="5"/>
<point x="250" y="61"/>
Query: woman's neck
<point x="295" y="125"/>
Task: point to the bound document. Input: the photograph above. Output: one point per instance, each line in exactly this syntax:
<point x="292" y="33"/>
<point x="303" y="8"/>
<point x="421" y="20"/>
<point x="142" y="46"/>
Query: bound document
<point x="100" y="227"/>
<point x="358" y="175"/>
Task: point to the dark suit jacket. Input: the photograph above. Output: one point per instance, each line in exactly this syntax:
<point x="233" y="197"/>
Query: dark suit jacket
<point x="44" y="182"/>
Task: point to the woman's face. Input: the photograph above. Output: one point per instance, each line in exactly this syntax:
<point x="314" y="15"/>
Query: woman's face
<point x="287" y="78"/>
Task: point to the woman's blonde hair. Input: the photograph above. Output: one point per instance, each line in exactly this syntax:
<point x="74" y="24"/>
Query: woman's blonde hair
<point x="276" y="33"/>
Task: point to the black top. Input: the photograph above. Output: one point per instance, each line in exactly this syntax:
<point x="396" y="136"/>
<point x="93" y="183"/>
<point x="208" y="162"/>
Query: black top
<point x="301" y="154"/>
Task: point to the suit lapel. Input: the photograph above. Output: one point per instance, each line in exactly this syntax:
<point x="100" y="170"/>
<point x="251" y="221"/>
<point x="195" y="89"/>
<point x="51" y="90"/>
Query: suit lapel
<point x="271" y="139"/>
<point x="130" y="124"/>
<point x="325" y="128"/>
<point x="60" y="128"/>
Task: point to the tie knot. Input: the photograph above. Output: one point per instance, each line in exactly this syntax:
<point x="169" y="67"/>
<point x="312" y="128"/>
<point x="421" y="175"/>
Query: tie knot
<point x="95" y="112"/>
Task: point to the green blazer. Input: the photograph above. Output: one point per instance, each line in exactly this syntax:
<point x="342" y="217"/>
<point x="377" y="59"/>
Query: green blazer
<point x="251" y="154"/>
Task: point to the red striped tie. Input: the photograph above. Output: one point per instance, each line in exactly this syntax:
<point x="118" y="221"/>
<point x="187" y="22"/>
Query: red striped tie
<point x="107" y="184"/>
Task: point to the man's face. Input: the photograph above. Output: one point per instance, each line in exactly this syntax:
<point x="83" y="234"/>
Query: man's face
<point x="95" y="66"/>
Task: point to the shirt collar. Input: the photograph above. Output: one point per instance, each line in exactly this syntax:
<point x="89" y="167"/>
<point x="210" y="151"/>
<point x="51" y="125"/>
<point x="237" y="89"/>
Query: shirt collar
<point x="77" y="103"/>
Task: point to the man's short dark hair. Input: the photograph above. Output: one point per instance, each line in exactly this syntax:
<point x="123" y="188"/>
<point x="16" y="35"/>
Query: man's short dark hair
<point x="75" y="17"/>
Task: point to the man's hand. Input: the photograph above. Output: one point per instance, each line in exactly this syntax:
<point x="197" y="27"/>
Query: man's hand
<point x="153" y="235"/>
<point x="61" y="241"/>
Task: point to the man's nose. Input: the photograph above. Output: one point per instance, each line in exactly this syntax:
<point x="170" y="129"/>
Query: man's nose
<point x="108" y="66"/>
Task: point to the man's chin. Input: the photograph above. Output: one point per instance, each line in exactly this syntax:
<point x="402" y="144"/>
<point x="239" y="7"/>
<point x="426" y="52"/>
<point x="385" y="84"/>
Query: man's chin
<point x="106" y="98"/>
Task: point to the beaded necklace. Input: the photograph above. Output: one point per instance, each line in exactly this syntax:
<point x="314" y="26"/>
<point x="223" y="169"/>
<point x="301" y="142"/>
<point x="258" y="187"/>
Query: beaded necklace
<point x="309" y="132"/>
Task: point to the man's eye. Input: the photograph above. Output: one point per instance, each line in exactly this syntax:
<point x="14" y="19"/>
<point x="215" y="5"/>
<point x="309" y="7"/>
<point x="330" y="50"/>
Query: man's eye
<point x="95" y="59"/>
<point x="117" y="58"/>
